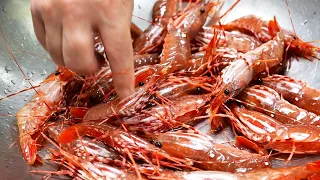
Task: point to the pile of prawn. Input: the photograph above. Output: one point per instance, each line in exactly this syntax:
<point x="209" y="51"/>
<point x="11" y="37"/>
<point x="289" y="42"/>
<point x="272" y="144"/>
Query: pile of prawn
<point x="189" y="68"/>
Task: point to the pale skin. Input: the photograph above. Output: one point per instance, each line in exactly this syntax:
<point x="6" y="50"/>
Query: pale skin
<point x="65" y="29"/>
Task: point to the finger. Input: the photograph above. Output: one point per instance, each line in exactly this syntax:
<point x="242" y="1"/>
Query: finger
<point x="38" y="24"/>
<point x="54" y="40"/>
<point x="78" y="48"/>
<point x="118" y="46"/>
<point x="53" y="27"/>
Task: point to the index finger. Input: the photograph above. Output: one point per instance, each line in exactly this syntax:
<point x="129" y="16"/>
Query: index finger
<point x="118" y="46"/>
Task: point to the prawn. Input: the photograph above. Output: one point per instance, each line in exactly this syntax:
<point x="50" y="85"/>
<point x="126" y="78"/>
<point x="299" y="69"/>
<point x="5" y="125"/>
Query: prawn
<point x="85" y="147"/>
<point x="83" y="169"/>
<point x="261" y="29"/>
<point x="166" y="117"/>
<point x="235" y="77"/>
<point x="96" y="91"/>
<point x="268" y="101"/>
<point x="271" y="134"/>
<point x="295" y="91"/>
<point x="176" y="87"/>
<point x="49" y="97"/>
<point x="194" y="18"/>
<point x="176" y="49"/>
<point x="153" y="36"/>
<point x="296" y="172"/>
<point x="189" y="22"/>
<point x="104" y="110"/>
<point x="208" y="155"/>
<point x="234" y="39"/>
<point x="123" y="142"/>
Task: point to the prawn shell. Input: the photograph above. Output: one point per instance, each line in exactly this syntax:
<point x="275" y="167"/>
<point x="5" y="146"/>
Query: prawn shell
<point x="208" y="155"/>
<point x="268" y="101"/>
<point x="295" y="91"/>
<point x="298" y="139"/>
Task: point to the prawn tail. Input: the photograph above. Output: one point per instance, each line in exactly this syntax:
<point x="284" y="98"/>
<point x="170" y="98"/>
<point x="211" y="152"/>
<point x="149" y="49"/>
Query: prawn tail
<point x="273" y="27"/>
<point x="72" y="133"/>
<point x="296" y="45"/>
<point x="212" y="47"/>
<point x="29" y="149"/>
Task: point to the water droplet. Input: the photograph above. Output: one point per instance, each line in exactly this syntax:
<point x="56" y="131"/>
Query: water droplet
<point x="25" y="99"/>
<point x="27" y="94"/>
<point x="33" y="72"/>
<point x="22" y="45"/>
<point x="29" y="74"/>
<point x="44" y="72"/>
<point x="11" y="107"/>
<point x="1" y="133"/>
<point x="9" y="113"/>
<point x="24" y="38"/>
<point x="13" y="81"/>
<point x="7" y="68"/>
<point x="4" y="9"/>
<point x="305" y="22"/>
<point x="6" y="91"/>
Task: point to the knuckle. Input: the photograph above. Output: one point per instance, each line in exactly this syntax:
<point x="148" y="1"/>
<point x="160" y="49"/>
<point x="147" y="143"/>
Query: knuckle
<point x="68" y="6"/>
<point x="76" y="43"/>
<point x="44" y="6"/>
<point x="101" y="3"/>
<point x="33" y="6"/>
<point x="37" y="6"/>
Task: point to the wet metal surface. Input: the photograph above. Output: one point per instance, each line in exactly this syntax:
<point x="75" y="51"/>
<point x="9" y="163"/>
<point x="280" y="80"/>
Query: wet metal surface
<point x="16" y="24"/>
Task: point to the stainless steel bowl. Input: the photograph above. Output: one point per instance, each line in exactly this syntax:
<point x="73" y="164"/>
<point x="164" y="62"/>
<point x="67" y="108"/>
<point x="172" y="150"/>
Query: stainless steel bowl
<point x="16" y="24"/>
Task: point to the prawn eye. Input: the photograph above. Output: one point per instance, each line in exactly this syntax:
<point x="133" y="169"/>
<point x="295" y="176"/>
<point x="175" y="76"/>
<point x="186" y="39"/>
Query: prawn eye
<point x="260" y="81"/>
<point x="198" y="90"/>
<point x="202" y="10"/>
<point x="92" y="98"/>
<point x="141" y="83"/>
<point x="57" y="73"/>
<point x="226" y="92"/>
<point x="152" y="141"/>
<point x="158" y="144"/>
<point x="154" y="97"/>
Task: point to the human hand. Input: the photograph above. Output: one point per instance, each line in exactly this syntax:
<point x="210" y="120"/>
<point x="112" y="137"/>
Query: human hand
<point x="65" y="29"/>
